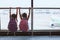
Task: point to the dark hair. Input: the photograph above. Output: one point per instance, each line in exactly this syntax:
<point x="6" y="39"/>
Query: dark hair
<point x="24" y="15"/>
<point x="14" y="16"/>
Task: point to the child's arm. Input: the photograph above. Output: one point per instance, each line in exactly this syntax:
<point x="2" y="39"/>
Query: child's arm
<point x="10" y="12"/>
<point x="29" y="14"/>
<point x="16" y="12"/>
<point x="20" y="14"/>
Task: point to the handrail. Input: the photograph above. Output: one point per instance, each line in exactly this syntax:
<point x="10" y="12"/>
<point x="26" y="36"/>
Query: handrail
<point x="15" y="7"/>
<point x="30" y="7"/>
<point x="46" y="8"/>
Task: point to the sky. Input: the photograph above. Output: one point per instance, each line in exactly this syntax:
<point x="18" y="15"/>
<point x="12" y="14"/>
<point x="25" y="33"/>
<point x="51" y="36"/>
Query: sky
<point x="44" y="22"/>
<point x="15" y="3"/>
<point x="46" y="3"/>
<point x="23" y="3"/>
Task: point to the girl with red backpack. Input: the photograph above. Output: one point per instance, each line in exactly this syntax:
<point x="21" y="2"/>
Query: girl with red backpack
<point x="24" y="21"/>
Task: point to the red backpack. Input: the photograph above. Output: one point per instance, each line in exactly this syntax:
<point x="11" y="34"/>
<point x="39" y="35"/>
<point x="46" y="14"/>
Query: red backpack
<point x="23" y="25"/>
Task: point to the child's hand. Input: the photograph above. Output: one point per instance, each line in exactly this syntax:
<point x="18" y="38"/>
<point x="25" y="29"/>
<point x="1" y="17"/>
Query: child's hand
<point x="29" y="7"/>
<point x="10" y="7"/>
<point x="17" y="7"/>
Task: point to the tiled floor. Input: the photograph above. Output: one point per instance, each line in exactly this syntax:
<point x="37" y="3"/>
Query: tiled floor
<point x="29" y="37"/>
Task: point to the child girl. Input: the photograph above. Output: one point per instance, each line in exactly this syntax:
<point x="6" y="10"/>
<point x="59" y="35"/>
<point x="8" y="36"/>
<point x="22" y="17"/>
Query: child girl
<point x="24" y="21"/>
<point x="12" y="26"/>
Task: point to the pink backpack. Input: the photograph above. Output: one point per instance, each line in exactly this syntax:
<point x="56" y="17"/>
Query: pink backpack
<point x="23" y="25"/>
<point x="12" y="26"/>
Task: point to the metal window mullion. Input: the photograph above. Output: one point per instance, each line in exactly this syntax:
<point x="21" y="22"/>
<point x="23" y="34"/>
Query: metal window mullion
<point x="31" y="6"/>
<point x="32" y="16"/>
<point x="0" y="21"/>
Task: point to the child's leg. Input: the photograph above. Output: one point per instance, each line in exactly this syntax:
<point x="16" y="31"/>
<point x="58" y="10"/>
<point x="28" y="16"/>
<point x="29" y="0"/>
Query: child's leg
<point x="14" y="33"/>
<point x="7" y="33"/>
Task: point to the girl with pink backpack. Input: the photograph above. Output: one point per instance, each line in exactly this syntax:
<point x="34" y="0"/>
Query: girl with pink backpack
<point x="24" y="21"/>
